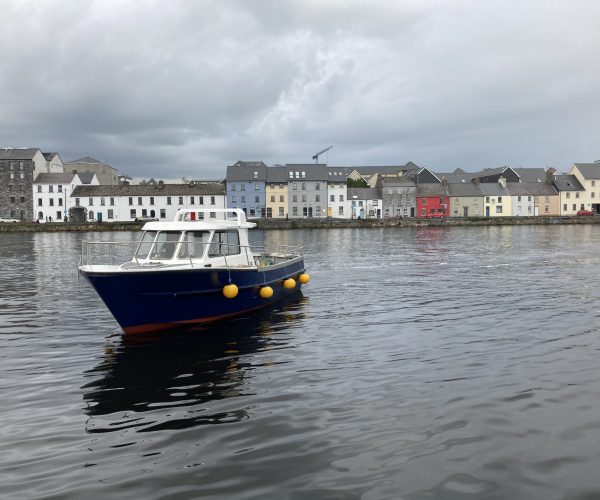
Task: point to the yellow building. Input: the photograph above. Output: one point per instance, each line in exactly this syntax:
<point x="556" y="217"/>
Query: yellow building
<point x="588" y="175"/>
<point x="276" y="191"/>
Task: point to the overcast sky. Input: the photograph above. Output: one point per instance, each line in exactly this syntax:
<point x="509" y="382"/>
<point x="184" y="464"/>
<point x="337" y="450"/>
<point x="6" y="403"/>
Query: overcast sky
<point x="184" y="88"/>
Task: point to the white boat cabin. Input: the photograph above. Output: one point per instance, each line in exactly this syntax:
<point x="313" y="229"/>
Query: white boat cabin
<point x="196" y="239"/>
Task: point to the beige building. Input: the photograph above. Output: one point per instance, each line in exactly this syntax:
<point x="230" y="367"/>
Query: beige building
<point x="276" y="192"/>
<point x="571" y="194"/>
<point x="106" y="174"/>
<point x="588" y="175"/>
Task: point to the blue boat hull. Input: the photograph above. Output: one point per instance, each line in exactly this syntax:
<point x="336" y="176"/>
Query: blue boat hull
<point x="159" y="300"/>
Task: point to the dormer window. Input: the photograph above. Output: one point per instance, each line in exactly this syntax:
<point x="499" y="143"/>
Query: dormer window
<point x="256" y="175"/>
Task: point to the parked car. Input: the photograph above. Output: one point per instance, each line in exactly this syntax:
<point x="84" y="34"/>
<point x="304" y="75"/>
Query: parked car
<point x="8" y="220"/>
<point x="145" y="218"/>
<point x="436" y="215"/>
<point x="585" y="212"/>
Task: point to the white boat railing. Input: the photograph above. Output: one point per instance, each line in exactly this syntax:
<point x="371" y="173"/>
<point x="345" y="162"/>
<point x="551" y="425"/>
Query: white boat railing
<point x="167" y="253"/>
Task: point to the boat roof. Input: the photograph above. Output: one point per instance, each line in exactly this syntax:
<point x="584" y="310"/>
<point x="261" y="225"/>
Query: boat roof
<point x="187" y="220"/>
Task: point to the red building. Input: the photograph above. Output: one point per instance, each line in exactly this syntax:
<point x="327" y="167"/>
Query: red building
<point x="432" y="199"/>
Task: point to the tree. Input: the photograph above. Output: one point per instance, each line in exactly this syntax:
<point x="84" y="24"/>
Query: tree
<point x="357" y="183"/>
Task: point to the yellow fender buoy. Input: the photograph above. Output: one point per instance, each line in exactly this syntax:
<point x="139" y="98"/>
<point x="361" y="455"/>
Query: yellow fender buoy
<point x="230" y="291"/>
<point x="304" y="278"/>
<point x="266" y="292"/>
<point x="289" y="283"/>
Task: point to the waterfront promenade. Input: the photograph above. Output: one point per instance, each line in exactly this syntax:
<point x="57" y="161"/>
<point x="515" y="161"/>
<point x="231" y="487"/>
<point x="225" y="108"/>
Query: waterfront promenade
<point x="314" y="223"/>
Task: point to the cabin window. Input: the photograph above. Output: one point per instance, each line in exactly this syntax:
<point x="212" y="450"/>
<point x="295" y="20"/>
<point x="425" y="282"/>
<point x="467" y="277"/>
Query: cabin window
<point x="224" y="243"/>
<point x="145" y="244"/>
<point x="165" y="245"/>
<point x="193" y="244"/>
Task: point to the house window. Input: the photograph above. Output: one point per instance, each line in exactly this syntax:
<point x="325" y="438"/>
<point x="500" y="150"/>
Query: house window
<point x="112" y="201"/>
<point x="565" y="207"/>
<point x="577" y="194"/>
<point x="303" y="175"/>
<point x="317" y="186"/>
<point x="252" y="212"/>
<point x="256" y="175"/>
<point x="498" y="209"/>
<point x="256" y="186"/>
<point x="568" y="195"/>
<point x="295" y="186"/>
<point x="181" y="200"/>
<point x="168" y="200"/>
<point x="201" y="200"/>
<point x="593" y="194"/>
<point x="51" y="188"/>
<point x="499" y="199"/>
<point x="91" y="202"/>
<point x="60" y="188"/>
<point x="281" y="210"/>
<point x="303" y="198"/>
<point x="233" y="188"/>
<point x="39" y="189"/>
<point x="529" y="198"/>
<point x="294" y="198"/>
<point x="423" y="201"/>
<point x="518" y="198"/>
<point x="593" y="183"/>
<point x="304" y="186"/>
<point x="102" y="201"/>
<point x="256" y="199"/>
<point x="305" y="211"/>
<point x="243" y="187"/>
<point x="60" y="202"/>
<point x="317" y="198"/>
<point x="272" y="198"/>
<point x="152" y="200"/>
<point x="295" y="211"/>
<point x="39" y="202"/>
<point x="76" y="202"/>
<point x="243" y="199"/>
<point x="487" y="199"/>
<point x="212" y="200"/>
<point x="139" y="200"/>
<point x="132" y="213"/>
<point x="546" y="209"/>
<point x="291" y="175"/>
<point x="423" y="212"/>
<point x="163" y="213"/>
<point x="341" y="197"/>
<point x="574" y="206"/>
<point x="110" y="214"/>
<point x="281" y="198"/>
<point x="332" y="197"/>
<point x="131" y="200"/>
<point x="233" y="199"/>
<point x="341" y="210"/>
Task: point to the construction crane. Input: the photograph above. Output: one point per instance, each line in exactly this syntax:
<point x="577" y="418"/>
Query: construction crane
<point x="316" y="155"/>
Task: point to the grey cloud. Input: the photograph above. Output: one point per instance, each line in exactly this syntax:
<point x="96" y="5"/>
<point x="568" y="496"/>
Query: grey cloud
<point x="187" y="87"/>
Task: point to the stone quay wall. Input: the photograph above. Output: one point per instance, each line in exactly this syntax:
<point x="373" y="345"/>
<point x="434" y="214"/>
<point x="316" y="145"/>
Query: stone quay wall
<point x="6" y="227"/>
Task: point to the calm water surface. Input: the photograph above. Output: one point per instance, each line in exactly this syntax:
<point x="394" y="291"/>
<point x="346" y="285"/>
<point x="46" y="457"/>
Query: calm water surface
<point x="418" y="363"/>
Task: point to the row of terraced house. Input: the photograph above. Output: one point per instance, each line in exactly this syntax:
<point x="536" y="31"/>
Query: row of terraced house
<point x="39" y="186"/>
<point x="317" y="190"/>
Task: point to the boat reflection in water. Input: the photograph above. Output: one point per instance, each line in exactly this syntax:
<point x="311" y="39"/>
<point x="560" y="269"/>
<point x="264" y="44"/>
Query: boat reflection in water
<point x="164" y="381"/>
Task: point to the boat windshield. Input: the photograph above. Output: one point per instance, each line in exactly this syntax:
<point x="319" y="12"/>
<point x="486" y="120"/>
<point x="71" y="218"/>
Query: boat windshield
<point x="193" y="244"/>
<point x="145" y="244"/>
<point x="165" y="245"/>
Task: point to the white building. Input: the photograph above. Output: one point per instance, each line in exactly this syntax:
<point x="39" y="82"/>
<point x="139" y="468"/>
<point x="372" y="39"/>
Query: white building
<point x="125" y="202"/>
<point x="365" y="203"/>
<point x="337" y="193"/>
<point x="51" y="194"/>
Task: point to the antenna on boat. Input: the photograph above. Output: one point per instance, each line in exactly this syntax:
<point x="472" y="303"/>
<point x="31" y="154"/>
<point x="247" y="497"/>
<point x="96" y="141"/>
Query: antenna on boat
<point x="316" y="155"/>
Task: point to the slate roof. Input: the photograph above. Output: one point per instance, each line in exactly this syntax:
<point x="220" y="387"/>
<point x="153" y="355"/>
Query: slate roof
<point x="364" y="194"/>
<point x="567" y="183"/>
<point x="86" y="177"/>
<point x="149" y="190"/>
<point x="493" y="189"/>
<point x="246" y="173"/>
<point x="431" y="189"/>
<point x="314" y="172"/>
<point x="466" y="189"/>
<point x="54" y="178"/>
<point x="589" y="170"/>
<point x="17" y="153"/>
<point x="530" y="189"/>
<point x="531" y="174"/>
<point x="85" y="159"/>
<point x="339" y="173"/>
<point x="456" y="177"/>
<point x="372" y="170"/>
<point x="49" y="156"/>
<point x="403" y="180"/>
<point x="277" y="174"/>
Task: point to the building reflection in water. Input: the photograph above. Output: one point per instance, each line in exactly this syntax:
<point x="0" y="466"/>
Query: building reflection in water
<point x="165" y="381"/>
